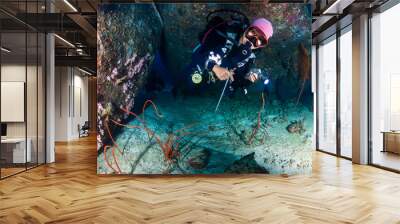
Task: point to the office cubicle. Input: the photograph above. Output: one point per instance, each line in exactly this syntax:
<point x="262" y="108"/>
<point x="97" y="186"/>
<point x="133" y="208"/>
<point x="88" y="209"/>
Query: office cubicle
<point x="22" y="89"/>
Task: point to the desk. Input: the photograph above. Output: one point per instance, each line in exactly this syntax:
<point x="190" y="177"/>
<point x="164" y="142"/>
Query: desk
<point x="391" y="141"/>
<point x="13" y="150"/>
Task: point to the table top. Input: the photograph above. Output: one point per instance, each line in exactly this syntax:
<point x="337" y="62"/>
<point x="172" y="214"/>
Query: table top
<point x="13" y="140"/>
<point x="391" y="132"/>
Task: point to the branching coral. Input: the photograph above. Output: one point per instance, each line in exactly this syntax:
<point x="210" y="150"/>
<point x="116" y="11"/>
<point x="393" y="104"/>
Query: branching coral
<point x="257" y="127"/>
<point x="169" y="146"/>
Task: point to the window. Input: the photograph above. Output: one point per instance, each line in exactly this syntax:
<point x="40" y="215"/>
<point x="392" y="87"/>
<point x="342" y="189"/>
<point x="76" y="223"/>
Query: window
<point x="346" y="93"/>
<point x="385" y="89"/>
<point x="327" y="96"/>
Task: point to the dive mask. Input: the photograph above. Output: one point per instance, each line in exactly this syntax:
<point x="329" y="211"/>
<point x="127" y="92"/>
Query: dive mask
<point x="254" y="36"/>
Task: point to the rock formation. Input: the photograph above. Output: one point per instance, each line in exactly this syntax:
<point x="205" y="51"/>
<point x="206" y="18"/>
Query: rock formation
<point x="128" y="37"/>
<point x="246" y="164"/>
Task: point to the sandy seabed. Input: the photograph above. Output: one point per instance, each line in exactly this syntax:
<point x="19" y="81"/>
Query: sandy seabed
<point x="214" y="143"/>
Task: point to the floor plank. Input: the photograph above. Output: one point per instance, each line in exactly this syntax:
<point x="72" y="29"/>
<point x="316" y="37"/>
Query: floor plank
<point x="69" y="191"/>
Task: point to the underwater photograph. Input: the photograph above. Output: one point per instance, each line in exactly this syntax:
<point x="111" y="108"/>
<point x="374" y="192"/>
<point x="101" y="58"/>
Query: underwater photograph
<point x="204" y="88"/>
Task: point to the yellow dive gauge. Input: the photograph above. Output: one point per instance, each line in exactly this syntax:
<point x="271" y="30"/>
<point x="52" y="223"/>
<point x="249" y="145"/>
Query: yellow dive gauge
<point x="196" y="77"/>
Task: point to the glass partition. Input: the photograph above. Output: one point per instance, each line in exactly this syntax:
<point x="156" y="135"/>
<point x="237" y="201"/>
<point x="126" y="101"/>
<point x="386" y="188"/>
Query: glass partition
<point x="15" y="152"/>
<point x="22" y="90"/>
<point x="41" y="96"/>
<point x="31" y="98"/>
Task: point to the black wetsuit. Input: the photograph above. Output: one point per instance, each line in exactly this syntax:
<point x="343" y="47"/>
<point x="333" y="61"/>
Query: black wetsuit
<point x="227" y="54"/>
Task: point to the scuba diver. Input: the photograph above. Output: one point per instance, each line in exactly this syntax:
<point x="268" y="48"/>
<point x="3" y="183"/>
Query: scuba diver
<point x="226" y="52"/>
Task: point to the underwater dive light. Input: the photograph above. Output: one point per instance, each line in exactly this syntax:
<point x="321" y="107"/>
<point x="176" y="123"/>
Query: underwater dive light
<point x="266" y="81"/>
<point x="262" y="75"/>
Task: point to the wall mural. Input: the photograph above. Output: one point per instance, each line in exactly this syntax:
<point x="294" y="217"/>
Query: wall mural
<point x="203" y="88"/>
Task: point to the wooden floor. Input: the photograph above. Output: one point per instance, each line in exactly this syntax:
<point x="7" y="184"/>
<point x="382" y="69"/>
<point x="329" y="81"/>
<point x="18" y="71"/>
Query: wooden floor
<point x="69" y="191"/>
<point x="387" y="159"/>
<point x="5" y="172"/>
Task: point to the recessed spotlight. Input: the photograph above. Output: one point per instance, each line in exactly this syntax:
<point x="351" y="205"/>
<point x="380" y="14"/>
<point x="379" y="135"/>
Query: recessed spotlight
<point x="84" y="71"/>
<point x="70" y="5"/>
<point x="64" y="40"/>
<point x="5" y="50"/>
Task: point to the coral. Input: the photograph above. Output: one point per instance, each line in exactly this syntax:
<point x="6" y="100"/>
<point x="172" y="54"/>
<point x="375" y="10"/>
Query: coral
<point x="257" y="127"/>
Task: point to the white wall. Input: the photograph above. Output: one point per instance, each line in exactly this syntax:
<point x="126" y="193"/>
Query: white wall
<point x="61" y="103"/>
<point x="12" y="73"/>
<point x="16" y="73"/>
<point x="80" y="114"/>
<point x="34" y="125"/>
<point x="71" y="93"/>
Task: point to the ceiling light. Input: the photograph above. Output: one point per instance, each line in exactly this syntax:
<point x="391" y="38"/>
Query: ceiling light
<point x="84" y="71"/>
<point x="337" y="7"/>
<point x="70" y="5"/>
<point x="5" y="50"/>
<point x="331" y="7"/>
<point x="65" y="41"/>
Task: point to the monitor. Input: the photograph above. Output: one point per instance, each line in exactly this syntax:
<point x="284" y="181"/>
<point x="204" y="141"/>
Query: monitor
<point x="3" y="129"/>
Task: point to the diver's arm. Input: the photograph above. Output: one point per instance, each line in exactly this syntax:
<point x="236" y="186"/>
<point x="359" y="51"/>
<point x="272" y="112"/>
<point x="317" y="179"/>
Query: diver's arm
<point x="222" y="73"/>
<point x="244" y="68"/>
<point x="241" y="80"/>
<point x="250" y="72"/>
<point x="213" y="62"/>
<point x="215" y="57"/>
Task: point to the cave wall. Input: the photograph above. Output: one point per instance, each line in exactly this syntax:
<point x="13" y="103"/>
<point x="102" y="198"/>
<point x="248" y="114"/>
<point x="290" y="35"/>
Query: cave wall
<point x="291" y="23"/>
<point x="126" y="47"/>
